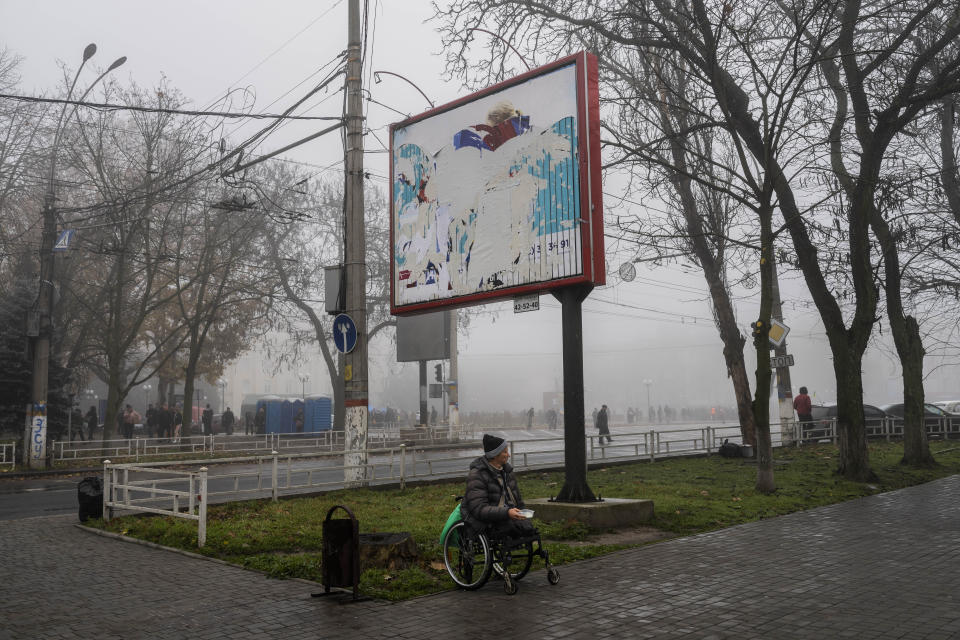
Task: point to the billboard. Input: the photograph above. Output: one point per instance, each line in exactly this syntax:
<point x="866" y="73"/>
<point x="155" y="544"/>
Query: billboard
<point x="498" y="194"/>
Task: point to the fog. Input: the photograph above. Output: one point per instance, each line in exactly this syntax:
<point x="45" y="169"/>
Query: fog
<point x="657" y="327"/>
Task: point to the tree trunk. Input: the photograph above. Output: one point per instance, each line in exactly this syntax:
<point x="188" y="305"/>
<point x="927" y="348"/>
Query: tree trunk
<point x="387" y="550"/>
<point x="761" y="340"/>
<point x="916" y="448"/>
<point x="906" y="337"/>
<point x="713" y="267"/>
<point x="189" y="382"/>
<point x="854" y="461"/>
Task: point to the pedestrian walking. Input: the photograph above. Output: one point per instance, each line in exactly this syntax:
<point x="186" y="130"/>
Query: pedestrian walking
<point x="603" y="426"/>
<point x="298" y="421"/>
<point x="227" y="421"/>
<point x="247" y="423"/>
<point x="530" y="414"/>
<point x="92" y="420"/>
<point x="207" y="420"/>
<point x="130" y="418"/>
<point x="177" y="423"/>
<point x="164" y="421"/>
<point x="152" y="424"/>
<point x="261" y="420"/>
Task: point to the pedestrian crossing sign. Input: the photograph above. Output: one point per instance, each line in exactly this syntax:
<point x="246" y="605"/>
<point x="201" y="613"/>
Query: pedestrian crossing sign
<point x="64" y="240"/>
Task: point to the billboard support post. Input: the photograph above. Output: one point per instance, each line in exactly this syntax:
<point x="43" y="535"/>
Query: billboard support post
<point x="575" y="488"/>
<point x="423" y="392"/>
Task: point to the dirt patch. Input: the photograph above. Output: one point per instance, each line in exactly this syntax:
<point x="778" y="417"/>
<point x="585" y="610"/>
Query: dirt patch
<point x="632" y="535"/>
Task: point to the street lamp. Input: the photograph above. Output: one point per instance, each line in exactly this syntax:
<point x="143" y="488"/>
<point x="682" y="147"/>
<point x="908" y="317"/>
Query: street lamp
<point x="304" y="376"/>
<point x="146" y="393"/>
<point x="377" y="79"/>
<point x="648" y="382"/>
<point x="39" y="326"/>
<point x="223" y="387"/>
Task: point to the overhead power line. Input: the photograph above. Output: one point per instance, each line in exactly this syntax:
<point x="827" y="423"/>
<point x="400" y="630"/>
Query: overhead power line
<point x="105" y="106"/>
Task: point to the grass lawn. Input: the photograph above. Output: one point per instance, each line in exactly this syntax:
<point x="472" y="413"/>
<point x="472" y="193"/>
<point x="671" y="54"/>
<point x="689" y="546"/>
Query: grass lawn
<point x="691" y="495"/>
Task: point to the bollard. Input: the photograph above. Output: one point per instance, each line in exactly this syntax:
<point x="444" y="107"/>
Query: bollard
<point x="273" y="475"/>
<point x="202" y="523"/>
<point x="107" y="491"/>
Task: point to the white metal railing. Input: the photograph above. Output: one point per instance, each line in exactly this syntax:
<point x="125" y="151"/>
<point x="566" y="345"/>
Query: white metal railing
<point x="148" y="486"/>
<point x="881" y="428"/>
<point x="120" y="492"/>
<point x="187" y="446"/>
<point x="7" y="454"/>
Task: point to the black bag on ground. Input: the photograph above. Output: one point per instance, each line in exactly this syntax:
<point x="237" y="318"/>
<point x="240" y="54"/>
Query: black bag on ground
<point x="730" y="450"/>
<point x="90" y="495"/>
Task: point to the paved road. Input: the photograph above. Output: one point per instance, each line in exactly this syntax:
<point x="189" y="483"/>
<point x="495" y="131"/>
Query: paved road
<point x="885" y="567"/>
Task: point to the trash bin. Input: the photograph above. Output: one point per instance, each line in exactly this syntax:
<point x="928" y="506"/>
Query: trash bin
<point x="341" y="553"/>
<point x="90" y="496"/>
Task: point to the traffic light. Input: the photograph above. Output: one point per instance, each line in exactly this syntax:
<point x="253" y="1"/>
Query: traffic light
<point x="760" y="331"/>
<point x="438" y="372"/>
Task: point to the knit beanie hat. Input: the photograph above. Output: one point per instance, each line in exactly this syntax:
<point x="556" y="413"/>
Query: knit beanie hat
<point x="492" y="446"/>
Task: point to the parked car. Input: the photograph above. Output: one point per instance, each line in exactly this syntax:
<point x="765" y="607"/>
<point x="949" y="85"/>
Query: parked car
<point x="934" y="417"/>
<point x="953" y="406"/>
<point x="873" y="419"/>
<point x="929" y="410"/>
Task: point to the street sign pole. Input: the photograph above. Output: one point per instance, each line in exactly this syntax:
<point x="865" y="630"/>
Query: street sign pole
<point x="784" y="389"/>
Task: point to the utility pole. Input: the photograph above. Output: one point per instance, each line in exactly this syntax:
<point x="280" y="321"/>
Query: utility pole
<point x="784" y="390"/>
<point x="356" y="383"/>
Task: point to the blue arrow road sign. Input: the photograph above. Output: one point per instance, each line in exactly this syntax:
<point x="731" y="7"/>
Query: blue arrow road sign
<point x="344" y="333"/>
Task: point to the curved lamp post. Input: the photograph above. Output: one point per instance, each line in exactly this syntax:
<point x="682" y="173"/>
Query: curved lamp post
<point x="39" y="326"/>
<point x="377" y="79"/>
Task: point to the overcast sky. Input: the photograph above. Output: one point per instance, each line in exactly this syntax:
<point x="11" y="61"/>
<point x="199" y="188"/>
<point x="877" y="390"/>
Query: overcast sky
<point x="657" y="327"/>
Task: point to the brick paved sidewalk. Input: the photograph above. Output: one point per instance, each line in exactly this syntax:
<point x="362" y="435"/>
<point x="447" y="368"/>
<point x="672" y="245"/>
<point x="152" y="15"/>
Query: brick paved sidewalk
<point x="887" y="566"/>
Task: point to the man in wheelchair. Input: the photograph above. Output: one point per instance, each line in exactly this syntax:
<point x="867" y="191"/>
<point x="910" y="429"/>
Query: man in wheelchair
<point x="490" y="531"/>
<point x="492" y="501"/>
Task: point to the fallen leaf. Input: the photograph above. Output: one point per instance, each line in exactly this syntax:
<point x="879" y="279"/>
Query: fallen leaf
<point x="438" y="566"/>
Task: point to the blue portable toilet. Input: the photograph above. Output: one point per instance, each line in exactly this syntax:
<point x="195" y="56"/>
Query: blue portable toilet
<point x="290" y="409"/>
<point x="316" y="414"/>
<point x="274" y="407"/>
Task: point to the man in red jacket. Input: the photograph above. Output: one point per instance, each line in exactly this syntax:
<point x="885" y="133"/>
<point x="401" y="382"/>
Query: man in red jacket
<point x="801" y="404"/>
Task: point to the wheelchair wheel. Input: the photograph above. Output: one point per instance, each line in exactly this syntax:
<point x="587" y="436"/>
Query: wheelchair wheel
<point x="467" y="556"/>
<point x="523" y="556"/>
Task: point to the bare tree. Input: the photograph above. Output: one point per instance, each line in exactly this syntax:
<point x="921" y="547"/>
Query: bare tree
<point x="762" y="78"/>
<point x="300" y="250"/>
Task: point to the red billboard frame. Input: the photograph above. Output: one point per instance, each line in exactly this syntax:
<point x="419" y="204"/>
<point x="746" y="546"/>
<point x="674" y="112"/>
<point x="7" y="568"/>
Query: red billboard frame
<point x="591" y="195"/>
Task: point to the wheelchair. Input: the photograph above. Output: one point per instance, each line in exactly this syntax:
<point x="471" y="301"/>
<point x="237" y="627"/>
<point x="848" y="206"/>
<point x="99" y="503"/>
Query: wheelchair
<point x="472" y="556"/>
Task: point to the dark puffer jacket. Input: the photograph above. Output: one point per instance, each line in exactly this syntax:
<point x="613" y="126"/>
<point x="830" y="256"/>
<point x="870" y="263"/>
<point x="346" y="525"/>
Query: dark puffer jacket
<point x="481" y="500"/>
